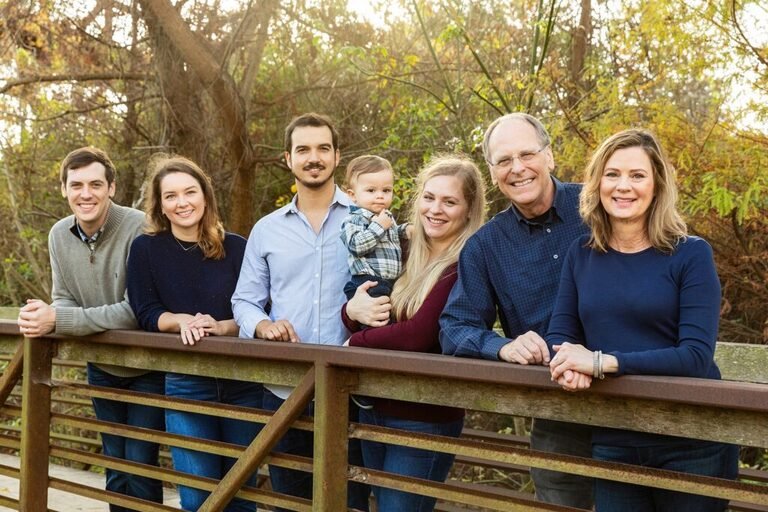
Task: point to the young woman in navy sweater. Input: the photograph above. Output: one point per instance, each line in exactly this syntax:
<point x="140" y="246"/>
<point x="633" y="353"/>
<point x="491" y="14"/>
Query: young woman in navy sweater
<point x="639" y="296"/>
<point x="448" y="208"/>
<point x="181" y="276"/>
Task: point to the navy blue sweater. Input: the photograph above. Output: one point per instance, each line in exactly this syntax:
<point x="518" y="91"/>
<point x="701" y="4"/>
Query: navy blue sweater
<point x="657" y="313"/>
<point x="164" y="277"/>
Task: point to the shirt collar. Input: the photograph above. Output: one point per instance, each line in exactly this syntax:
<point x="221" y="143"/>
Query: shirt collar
<point x="78" y="231"/>
<point x="353" y="208"/>
<point x="339" y="198"/>
<point x="558" y="204"/>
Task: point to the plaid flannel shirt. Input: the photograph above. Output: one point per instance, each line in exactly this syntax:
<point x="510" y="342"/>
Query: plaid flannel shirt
<point x="373" y="250"/>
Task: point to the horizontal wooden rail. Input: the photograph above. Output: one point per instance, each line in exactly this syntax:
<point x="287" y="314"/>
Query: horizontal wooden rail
<point x="727" y="410"/>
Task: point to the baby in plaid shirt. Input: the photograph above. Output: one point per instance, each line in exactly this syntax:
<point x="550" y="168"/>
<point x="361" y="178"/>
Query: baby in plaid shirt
<point x="369" y="231"/>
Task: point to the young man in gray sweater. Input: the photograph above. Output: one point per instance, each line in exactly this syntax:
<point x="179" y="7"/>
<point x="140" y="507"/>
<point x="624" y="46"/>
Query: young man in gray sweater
<point x="88" y="251"/>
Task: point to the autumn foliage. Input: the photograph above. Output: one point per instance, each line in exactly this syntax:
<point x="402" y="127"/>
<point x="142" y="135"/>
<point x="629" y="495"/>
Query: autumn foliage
<point x="217" y="81"/>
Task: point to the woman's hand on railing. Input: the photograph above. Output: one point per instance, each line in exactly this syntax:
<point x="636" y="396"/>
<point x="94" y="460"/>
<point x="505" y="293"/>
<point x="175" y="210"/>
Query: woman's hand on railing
<point x="572" y="366"/>
<point x="179" y="322"/>
<point x="574" y="381"/>
<point x="367" y="310"/>
<point x="213" y="327"/>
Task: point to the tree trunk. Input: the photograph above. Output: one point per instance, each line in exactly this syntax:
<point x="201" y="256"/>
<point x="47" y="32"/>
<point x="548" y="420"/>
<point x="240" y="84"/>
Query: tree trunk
<point x="229" y="105"/>
<point x="580" y="48"/>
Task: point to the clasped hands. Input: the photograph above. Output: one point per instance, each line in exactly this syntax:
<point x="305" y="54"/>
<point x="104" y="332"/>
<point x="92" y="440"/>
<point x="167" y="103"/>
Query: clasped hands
<point x="36" y="318"/>
<point x="195" y="328"/>
<point x="571" y="367"/>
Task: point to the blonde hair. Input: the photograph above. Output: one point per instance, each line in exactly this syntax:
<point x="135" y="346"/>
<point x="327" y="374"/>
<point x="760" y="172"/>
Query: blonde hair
<point x="420" y="274"/>
<point x="365" y="164"/>
<point x="210" y="230"/>
<point x="664" y="225"/>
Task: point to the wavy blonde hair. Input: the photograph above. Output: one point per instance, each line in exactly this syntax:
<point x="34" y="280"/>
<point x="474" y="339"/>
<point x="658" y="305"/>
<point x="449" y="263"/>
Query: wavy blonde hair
<point x="210" y="231"/>
<point x="420" y="274"/>
<point x="664" y="225"/>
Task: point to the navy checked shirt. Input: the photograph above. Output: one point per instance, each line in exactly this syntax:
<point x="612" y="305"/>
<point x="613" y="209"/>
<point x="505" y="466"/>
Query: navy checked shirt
<point x="510" y="268"/>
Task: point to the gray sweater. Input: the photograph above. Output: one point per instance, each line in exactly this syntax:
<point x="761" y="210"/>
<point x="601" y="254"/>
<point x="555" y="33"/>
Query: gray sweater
<point x="89" y="283"/>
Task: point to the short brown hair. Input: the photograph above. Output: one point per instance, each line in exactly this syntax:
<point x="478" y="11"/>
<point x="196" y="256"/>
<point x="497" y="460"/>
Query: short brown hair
<point x="210" y="230"/>
<point x="310" y="119"/>
<point x="83" y="157"/>
<point x="365" y="164"/>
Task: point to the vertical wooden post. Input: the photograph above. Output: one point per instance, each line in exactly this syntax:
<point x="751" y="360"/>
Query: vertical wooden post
<point x="331" y="439"/>
<point x="35" y="424"/>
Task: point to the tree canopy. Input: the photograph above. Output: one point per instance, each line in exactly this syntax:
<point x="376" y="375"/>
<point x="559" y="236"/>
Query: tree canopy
<point x="218" y="80"/>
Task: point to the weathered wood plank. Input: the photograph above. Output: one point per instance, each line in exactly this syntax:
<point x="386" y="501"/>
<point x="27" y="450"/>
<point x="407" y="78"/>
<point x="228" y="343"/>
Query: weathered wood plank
<point x="745" y="427"/>
<point x="193" y="363"/>
<point x="742" y="362"/>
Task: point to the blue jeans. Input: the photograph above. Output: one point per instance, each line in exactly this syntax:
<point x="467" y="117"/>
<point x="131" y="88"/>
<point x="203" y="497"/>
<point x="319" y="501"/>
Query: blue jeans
<point x="125" y="448"/>
<point x="685" y="455"/>
<point x="203" y="426"/>
<point x="407" y="461"/>
<point x="300" y="442"/>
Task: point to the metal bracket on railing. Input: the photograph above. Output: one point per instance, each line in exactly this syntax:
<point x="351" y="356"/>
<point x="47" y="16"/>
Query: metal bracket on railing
<point x="357" y="474"/>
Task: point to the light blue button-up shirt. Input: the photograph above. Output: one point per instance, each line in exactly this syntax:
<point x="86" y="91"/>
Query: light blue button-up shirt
<point x="300" y="272"/>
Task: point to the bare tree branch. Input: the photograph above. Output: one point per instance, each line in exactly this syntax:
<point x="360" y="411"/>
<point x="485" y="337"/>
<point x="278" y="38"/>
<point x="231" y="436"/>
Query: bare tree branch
<point x="756" y="51"/>
<point x="69" y="77"/>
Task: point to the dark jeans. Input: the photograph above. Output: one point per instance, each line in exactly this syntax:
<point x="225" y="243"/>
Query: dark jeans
<point x="686" y="455"/>
<point x="209" y="389"/>
<point x="300" y="442"/>
<point x="125" y="448"/>
<point x="383" y="288"/>
<point x="407" y="461"/>
<point x="554" y="486"/>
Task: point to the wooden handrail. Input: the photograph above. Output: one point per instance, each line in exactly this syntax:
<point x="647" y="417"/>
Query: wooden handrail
<point x="728" y="411"/>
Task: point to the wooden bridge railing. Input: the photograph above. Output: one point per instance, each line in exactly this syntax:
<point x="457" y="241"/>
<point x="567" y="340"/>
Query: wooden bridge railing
<point x="729" y="411"/>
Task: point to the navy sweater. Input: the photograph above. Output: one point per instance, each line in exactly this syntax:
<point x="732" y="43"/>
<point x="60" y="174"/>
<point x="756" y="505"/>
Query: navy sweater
<point x="657" y="313"/>
<point x="164" y="277"/>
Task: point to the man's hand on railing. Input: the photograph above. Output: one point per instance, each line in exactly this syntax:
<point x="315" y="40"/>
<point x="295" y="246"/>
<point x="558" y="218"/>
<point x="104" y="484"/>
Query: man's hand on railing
<point x="279" y="330"/>
<point x="36" y="318"/>
<point x="528" y="348"/>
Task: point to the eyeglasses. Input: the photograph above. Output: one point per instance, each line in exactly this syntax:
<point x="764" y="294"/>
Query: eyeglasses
<point x="526" y="156"/>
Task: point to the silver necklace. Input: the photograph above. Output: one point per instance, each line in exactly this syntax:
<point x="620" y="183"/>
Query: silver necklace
<point x="185" y="249"/>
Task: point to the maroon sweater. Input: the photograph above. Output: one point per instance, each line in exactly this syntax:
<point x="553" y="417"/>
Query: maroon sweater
<point x="419" y="333"/>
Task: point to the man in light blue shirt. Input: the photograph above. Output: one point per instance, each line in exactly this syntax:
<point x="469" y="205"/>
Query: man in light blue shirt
<point x="296" y="263"/>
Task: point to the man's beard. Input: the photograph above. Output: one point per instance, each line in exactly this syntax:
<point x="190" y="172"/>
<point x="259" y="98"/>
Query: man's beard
<point x="313" y="184"/>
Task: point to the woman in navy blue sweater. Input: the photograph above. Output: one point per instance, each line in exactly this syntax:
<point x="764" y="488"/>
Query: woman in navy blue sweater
<point x="181" y="276"/>
<point x="639" y="296"/>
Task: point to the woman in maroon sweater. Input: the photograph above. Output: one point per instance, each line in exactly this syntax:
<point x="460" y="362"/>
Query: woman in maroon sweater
<point x="448" y="208"/>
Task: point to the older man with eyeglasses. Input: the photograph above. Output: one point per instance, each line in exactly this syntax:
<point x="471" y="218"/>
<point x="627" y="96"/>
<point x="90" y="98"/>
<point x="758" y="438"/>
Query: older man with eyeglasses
<point x="511" y="267"/>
